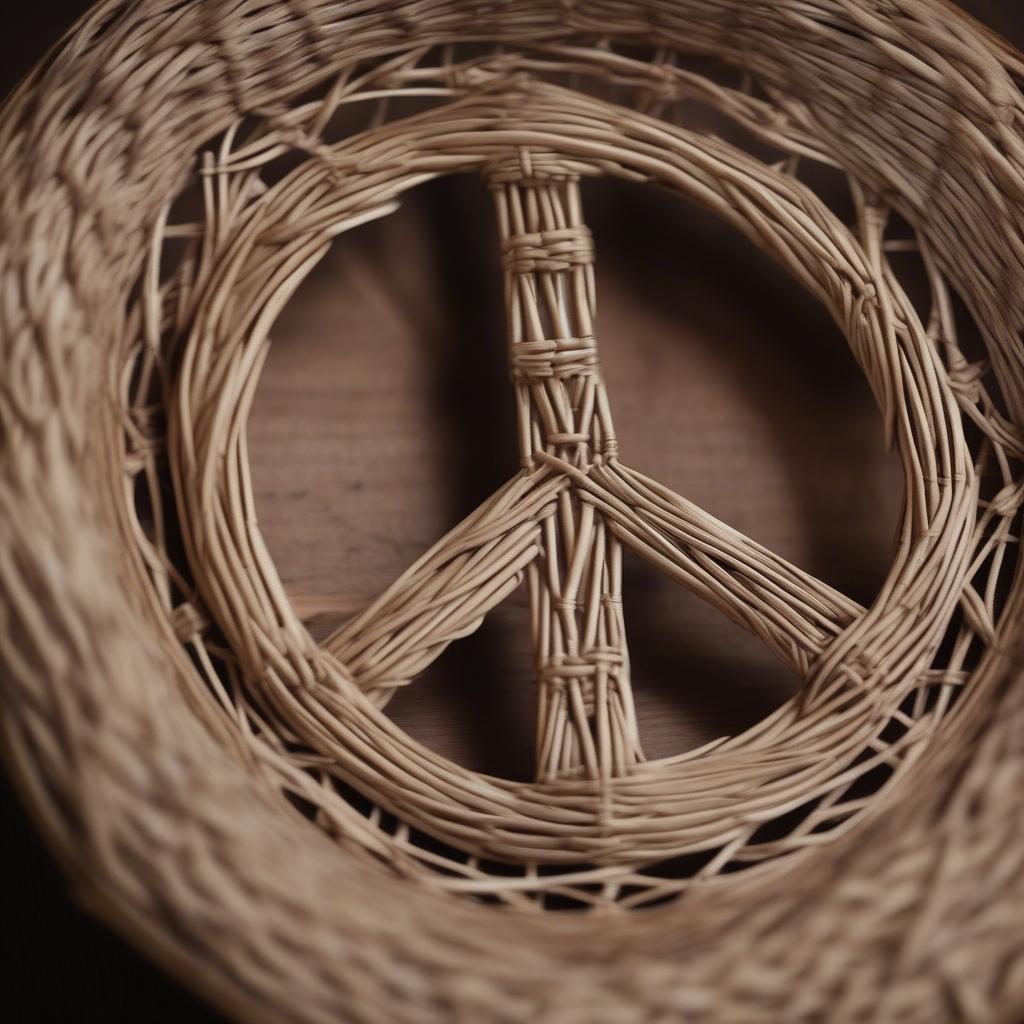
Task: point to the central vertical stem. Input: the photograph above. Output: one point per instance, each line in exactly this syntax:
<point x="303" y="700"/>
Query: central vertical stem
<point x="586" y="723"/>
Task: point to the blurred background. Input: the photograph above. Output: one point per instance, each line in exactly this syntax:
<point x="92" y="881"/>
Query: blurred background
<point x="384" y="415"/>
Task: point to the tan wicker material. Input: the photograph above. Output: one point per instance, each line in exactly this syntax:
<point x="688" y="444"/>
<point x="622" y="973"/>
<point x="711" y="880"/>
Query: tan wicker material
<point x="231" y="793"/>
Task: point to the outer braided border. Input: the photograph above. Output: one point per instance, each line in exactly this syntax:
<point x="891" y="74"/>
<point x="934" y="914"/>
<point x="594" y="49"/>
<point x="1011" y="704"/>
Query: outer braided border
<point x="164" y="831"/>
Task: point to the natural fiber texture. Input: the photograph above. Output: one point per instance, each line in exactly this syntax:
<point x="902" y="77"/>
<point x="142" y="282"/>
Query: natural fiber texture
<point x="232" y="794"/>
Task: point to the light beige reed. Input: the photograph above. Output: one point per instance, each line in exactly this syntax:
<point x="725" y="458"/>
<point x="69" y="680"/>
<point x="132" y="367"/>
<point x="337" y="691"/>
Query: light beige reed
<point x="856" y="856"/>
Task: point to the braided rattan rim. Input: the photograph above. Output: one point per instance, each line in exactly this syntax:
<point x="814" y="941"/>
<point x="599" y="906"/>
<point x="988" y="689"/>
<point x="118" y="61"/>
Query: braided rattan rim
<point x="912" y="915"/>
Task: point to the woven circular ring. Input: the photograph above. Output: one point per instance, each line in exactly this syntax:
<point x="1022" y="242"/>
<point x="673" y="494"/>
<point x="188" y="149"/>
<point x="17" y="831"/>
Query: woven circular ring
<point x="231" y="792"/>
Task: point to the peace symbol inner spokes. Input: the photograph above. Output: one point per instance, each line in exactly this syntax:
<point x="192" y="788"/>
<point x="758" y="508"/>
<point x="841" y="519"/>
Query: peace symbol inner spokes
<point x="562" y="522"/>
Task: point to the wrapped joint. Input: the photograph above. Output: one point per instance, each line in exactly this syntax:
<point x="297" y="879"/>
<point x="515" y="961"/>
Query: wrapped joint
<point x="188" y="622"/>
<point x="556" y="358"/>
<point x="558" y="249"/>
<point x="966" y="380"/>
<point x="565" y="437"/>
<point x="562" y="669"/>
<point x="528" y="169"/>
<point x="565" y="669"/>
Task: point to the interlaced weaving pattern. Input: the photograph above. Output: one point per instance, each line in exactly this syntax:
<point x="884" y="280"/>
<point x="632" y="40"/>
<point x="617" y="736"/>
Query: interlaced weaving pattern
<point x="232" y="793"/>
<point x="877" y="680"/>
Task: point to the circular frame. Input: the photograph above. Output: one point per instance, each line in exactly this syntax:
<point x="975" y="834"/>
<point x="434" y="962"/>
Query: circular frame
<point x="703" y="800"/>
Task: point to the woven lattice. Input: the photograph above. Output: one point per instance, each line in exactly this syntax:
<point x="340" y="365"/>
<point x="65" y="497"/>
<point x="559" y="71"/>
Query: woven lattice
<point x="233" y="793"/>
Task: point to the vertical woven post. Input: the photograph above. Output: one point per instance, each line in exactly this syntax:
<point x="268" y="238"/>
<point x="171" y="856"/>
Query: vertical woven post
<point x="586" y="721"/>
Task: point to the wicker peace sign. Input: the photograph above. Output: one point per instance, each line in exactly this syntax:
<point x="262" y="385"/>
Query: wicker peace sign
<point x="163" y="706"/>
<point x="563" y="520"/>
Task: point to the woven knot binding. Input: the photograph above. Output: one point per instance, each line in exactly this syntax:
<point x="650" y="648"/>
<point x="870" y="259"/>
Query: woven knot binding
<point x="966" y="379"/>
<point x="558" y="249"/>
<point x="188" y="621"/>
<point x="523" y="167"/>
<point x="582" y="669"/>
<point x="554" y="358"/>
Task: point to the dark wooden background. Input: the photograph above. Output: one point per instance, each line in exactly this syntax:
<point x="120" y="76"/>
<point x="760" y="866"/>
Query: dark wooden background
<point x="384" y="415"/>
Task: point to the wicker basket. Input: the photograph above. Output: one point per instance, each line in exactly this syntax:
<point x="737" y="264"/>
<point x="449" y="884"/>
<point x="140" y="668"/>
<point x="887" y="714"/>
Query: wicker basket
<point x="231" y="794"/>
